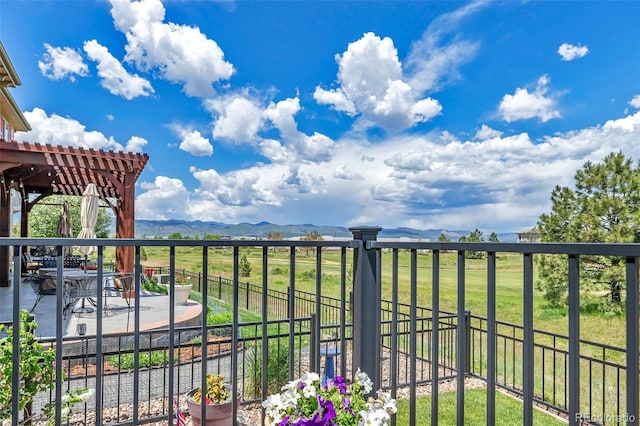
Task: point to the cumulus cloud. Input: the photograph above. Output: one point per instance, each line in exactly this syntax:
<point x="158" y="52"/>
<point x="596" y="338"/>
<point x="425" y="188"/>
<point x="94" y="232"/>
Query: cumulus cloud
<point x="494" y="182"/>
<point x="238" y="118"/>
<point x="56" y="130"/>
<point x="136" y="144"/>
<point x="237" y="188"/>
<point x="371" y="83"/>
<point x="62" y="62"/>
<point x="180" y="53"/>
<point x="569" y="52"/>
<point x="164" y="198"/>
<point x="341" y="172"/>
<point x="113" y="76"/>
<point x="635" y="102"/>
<point x="524" y="105"/>
<point x="241" y="119"/>
<point x="486" y="132"/>
<point x="195" y="144"/>
<point x="306" y="148"/>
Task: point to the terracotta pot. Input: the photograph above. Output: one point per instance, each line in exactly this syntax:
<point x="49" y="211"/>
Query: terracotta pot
<point x="217" y="414"/>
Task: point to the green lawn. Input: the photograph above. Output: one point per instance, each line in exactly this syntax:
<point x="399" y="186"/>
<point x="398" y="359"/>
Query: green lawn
<point x="508" y="410"/>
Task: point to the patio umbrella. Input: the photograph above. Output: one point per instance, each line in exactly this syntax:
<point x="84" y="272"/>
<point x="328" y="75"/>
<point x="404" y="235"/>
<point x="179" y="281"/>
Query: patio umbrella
<point x="88" y="217"/>
<point x="64" y="225"/>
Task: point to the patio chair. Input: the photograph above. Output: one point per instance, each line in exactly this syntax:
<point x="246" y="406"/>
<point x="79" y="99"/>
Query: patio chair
<point x="29" y="267"/>
<point x="42" y="286"/>
<point x="124" y="286"/>
<point x="85" y="288"/>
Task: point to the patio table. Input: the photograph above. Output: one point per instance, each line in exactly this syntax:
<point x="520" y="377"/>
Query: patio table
<point x="77" y="286"/>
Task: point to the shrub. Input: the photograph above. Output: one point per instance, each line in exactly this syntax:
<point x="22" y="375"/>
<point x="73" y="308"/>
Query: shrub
<point x="277" y="367"/>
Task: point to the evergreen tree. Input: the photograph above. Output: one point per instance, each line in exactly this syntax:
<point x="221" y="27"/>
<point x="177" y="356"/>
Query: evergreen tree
<point x="603" y="207"/>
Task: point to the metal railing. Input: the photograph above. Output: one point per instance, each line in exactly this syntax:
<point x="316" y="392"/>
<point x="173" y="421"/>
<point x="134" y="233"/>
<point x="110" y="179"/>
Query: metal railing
<point x="394" y="340"/>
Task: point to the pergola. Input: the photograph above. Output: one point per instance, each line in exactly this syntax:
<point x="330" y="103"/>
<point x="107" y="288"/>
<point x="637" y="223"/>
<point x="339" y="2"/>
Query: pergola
<point x="37" y="171"/>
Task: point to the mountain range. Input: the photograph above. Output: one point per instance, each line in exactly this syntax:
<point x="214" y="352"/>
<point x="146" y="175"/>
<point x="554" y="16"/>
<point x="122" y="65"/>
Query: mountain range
<point x="164" y="228"/>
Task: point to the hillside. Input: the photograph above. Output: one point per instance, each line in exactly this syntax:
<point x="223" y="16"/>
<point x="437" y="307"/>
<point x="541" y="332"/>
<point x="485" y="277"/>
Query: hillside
<point x="164" y="228"/>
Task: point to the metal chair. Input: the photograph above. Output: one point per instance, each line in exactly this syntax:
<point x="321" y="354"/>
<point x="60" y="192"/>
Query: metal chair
<point x="124" y="286"/>
<point x="85" y="288"/>
<point x="29" y="267"/>
<point x="42" y="286"/>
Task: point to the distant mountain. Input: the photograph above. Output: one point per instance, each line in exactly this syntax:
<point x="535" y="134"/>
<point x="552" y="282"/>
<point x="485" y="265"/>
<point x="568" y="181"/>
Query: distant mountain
<point x="164" y="228"/>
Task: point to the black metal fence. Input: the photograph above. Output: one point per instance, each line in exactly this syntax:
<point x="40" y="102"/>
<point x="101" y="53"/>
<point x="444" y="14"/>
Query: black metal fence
<point x="394" y="340"/>
<point x="604" y="367"/>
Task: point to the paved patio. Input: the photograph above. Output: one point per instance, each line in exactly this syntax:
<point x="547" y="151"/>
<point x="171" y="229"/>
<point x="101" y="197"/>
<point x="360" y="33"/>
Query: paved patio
<point x="117" y="317"/>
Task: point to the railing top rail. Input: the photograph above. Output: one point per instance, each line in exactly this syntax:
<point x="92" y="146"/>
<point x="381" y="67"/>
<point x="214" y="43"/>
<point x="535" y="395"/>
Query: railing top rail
<point x="609" y="249"/>
<point x="143" y="242"/>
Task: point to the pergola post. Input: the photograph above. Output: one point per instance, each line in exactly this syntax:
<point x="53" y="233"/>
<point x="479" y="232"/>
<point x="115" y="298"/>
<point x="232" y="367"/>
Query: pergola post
<point x="5" y="220"/>
<point x="125" y="225"/>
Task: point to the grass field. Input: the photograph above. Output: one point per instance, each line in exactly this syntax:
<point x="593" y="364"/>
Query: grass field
<point x="508" y="410"/>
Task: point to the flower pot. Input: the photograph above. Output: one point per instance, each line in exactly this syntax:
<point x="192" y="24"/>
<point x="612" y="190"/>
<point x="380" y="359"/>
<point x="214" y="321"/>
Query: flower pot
<point x="217" y="414"/>
<point x="181" y="293"/>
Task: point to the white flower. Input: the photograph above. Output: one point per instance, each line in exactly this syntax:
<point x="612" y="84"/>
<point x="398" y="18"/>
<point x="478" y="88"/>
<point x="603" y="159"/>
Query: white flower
<point x="310" y="377"/>
<point x="309" y="391"/>
<point x="86" y="395"/>
<point x="388" y="403"/>
<point x="364" y="381"/>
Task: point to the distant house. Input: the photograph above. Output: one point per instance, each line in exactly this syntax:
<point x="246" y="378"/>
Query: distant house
<point x="529" y="236"/>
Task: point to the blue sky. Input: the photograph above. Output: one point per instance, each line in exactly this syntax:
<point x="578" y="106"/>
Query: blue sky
<point x="454" y="115"/>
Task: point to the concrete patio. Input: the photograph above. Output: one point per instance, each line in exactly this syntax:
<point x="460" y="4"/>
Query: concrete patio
<point x="116" y="317"/>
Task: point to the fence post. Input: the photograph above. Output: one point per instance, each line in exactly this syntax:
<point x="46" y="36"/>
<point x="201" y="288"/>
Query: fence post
<point x="467" y="339"/>
<point x="314" y="365"/>
<point x="366" y="305"/>
<point x="220" y="287"/>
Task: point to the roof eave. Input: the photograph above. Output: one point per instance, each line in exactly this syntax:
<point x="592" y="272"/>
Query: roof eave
<point x="10" y="77"/>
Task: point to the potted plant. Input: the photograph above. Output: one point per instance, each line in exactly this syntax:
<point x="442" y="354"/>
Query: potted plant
<point x="308" y="401"/>
<point x="217" y="400"/>
<point x="181" y="288"/>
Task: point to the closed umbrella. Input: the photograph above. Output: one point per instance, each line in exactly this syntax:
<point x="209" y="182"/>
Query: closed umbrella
<point x="64" y="225"/>
<point x="88" y="217"/>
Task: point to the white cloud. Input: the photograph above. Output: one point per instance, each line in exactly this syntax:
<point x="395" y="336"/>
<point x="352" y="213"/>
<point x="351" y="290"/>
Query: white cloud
<point x="181" y="53"/>
<point x="57" y="130"/>
<point x="635" y="102"/>
<point x="371" y="84"/>
<point x="569" y="52"/>
<point x="113" y="76"/>
<point x="341" y="172"/>
<point x="486" y="132"/>
<point x="241" y="119"/>
<point x="195" y="144"/>
<point x="524" y="105"/>
<point x="62" y="62"/>
<point x="136" y="144"/>
<point x="498" y="183"/>
<point x="238" y="118"/>
<point x="237" y="188"/>
<point x="435" y="59"/>
<point x="165" y="198"/>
